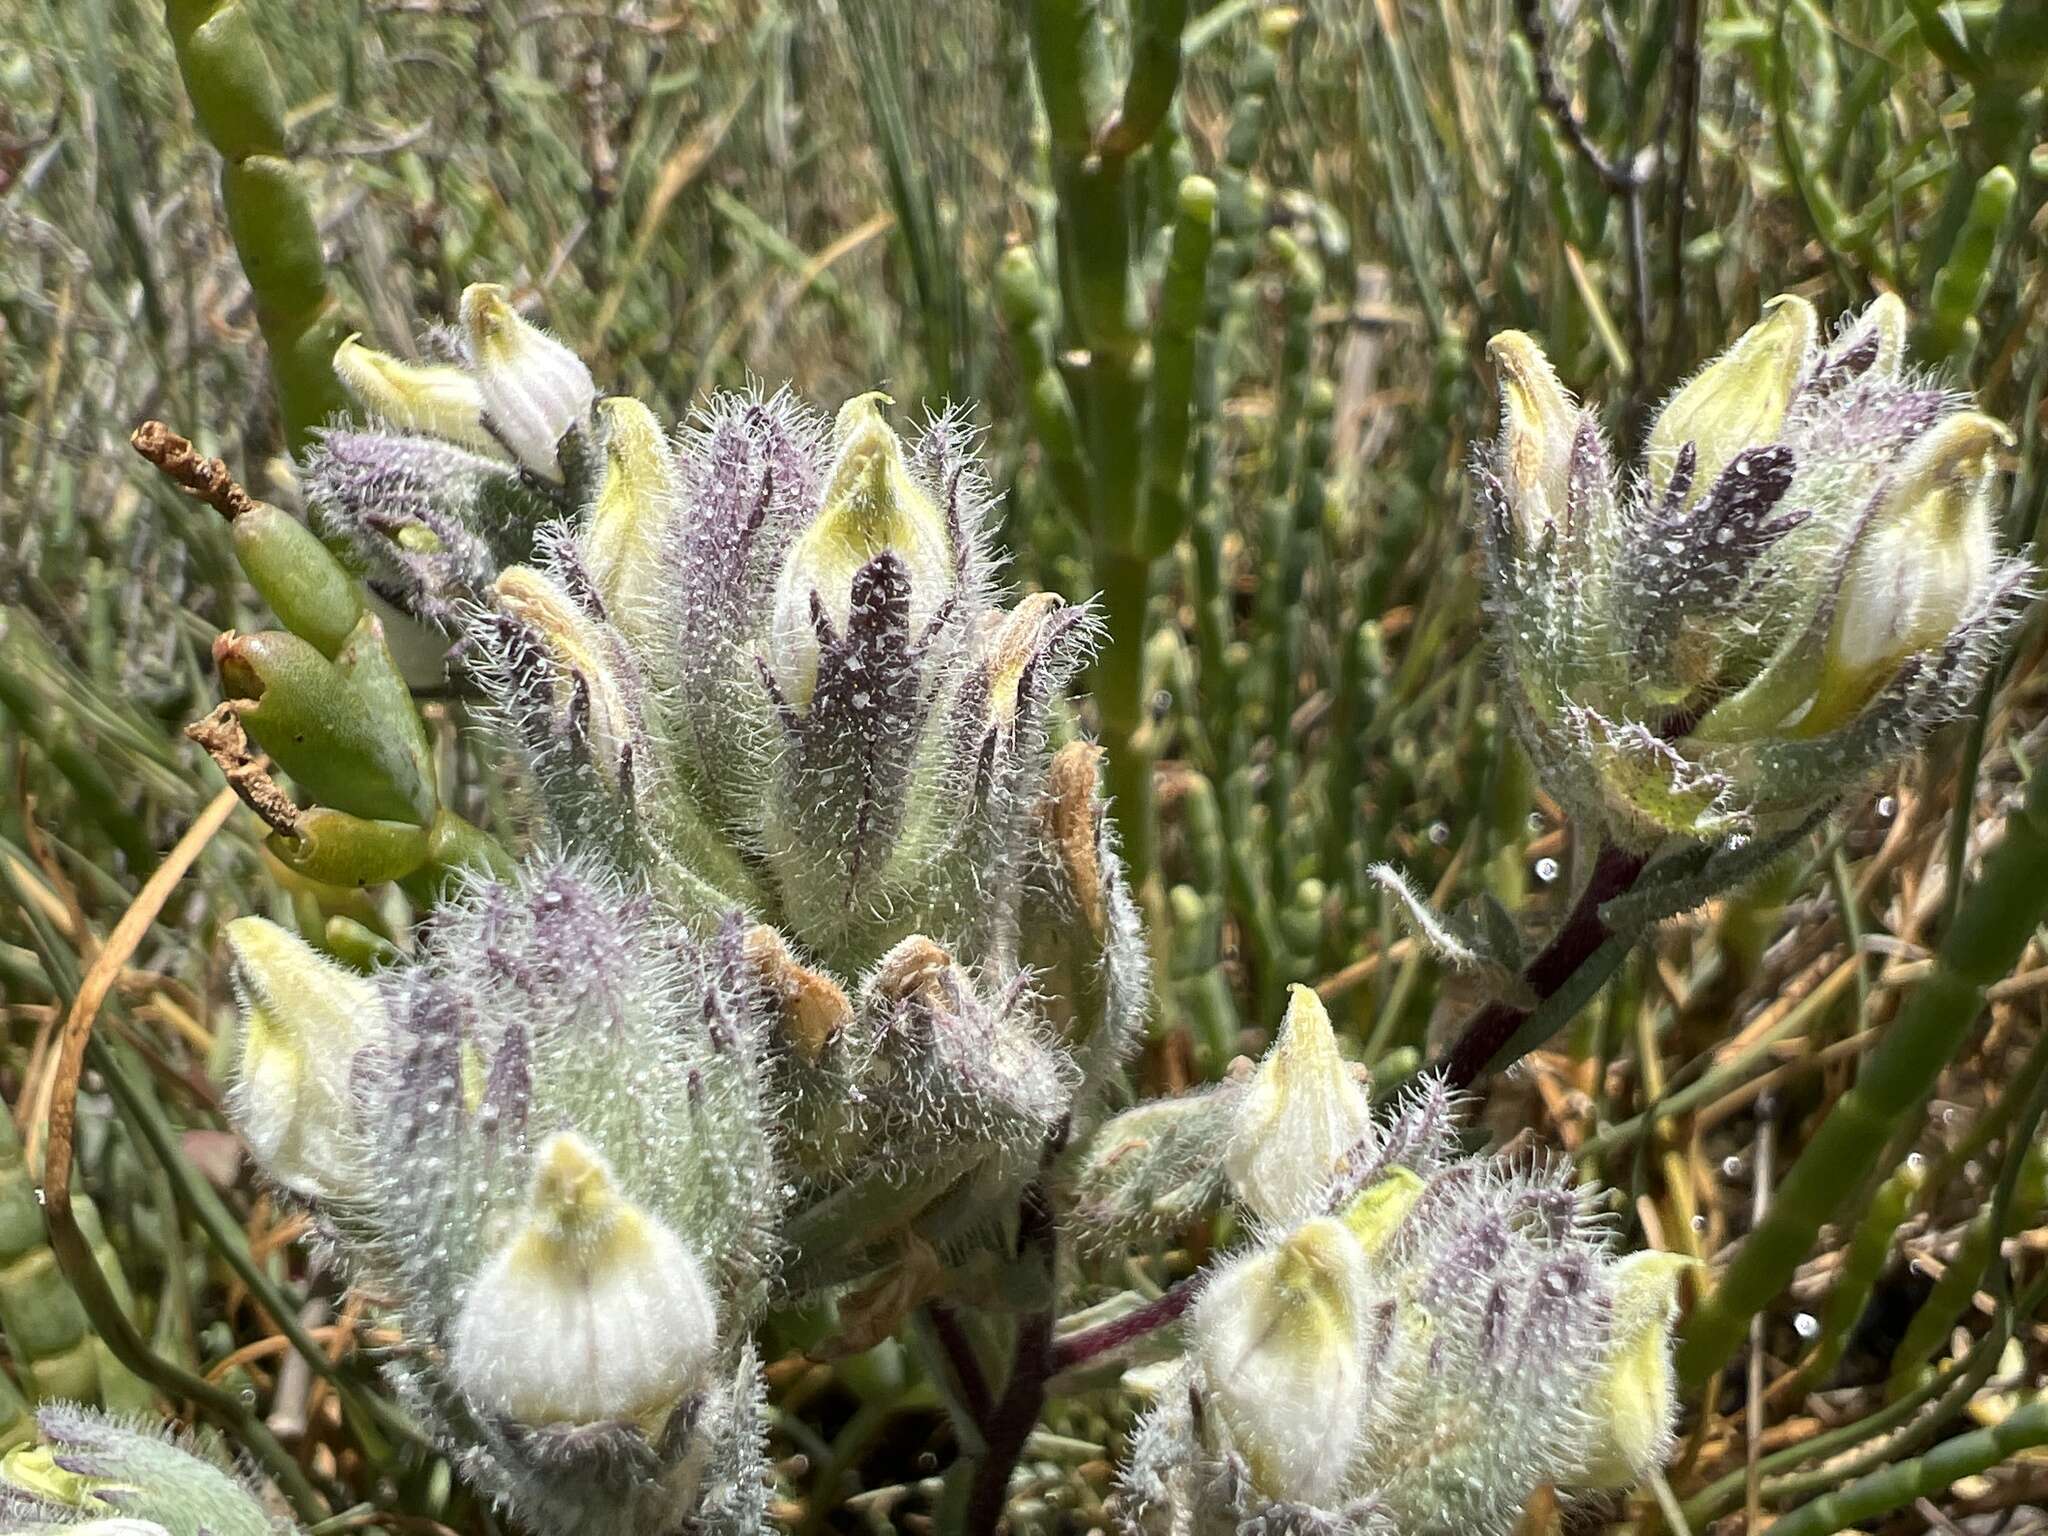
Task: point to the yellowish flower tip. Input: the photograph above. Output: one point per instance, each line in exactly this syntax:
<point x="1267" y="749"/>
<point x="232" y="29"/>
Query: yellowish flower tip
<point x="1737" y="400"/>
<point x="414" y="397"/>
<point x="1317" y="1267"/>
<point x="1635" y="1395"/>
<point x="622" y="544"/>
<point x="303" y="1020"/>
<point x="1538" y="421"/>
<point x="33" y="1469"/>
<point x="1375" y="1214"/>
<point x="579" y="649"/>
<point x="576" y="1208"/>
<point x="871" y="504"/>
<point x="491" y="321"/>
<point x="1017" y="638"/>
<point x="1276" y="1342"/>
<point x="870" y="500"/>
<point x="1301" y="1111"/>
<point x="538" y="600"/>
<point x="1917" y="570"/>
<point x="594" y="1311"/>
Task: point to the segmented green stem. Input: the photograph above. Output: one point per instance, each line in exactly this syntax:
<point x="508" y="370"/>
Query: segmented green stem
<point x="1993" y="925"/>
<point x="240" y="108"/>
<point x="1898" y="1485"/>
<point x="1861" y="1264"/>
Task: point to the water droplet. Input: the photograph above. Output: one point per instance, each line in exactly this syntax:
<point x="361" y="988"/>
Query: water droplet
<point x="1546" y="870"/>
<point x="1806" y="1325"/>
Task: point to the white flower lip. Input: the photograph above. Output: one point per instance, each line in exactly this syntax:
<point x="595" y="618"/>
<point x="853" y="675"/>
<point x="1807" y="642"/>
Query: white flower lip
<point x="593" y="1312"/>
<point x="534" y="389"/>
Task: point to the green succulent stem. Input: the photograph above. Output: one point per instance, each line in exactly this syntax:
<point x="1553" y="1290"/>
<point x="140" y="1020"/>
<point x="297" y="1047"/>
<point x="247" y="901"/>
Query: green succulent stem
<point x="1895" y="1486"/>
<point x="240" y="108"/>
<point x="1992" y="926"/>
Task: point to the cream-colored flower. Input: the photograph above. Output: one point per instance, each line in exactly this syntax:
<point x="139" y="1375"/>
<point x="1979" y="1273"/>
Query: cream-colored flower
<point x="594" y="1311"/>
<point x="303" y="1020"/>
<point x="1303" y="1109"/>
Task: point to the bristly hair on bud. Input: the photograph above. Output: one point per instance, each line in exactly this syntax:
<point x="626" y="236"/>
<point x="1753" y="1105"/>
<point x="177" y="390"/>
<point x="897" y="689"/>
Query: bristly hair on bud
<point x="92" y="1473"/>
<point x="1437" y="1337"/>
<point x="1718" y="646"/>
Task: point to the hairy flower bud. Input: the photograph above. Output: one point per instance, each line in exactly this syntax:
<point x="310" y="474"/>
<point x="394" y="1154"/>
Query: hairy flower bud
<point x="878" y="540"/>
<point x="562" y="1253"/>
<point x="592" y="1311"/>
<point x="533" y="389"/>
<point x="1802" y="582"/>
<point x="584" y="676"/>
<point x="96" y="1474"/>
<point x="303" y="1020"/>
<point x="1440" y="1337"/>
<point x="1302" y="1110"/>
<point x="1278" y="1338"/>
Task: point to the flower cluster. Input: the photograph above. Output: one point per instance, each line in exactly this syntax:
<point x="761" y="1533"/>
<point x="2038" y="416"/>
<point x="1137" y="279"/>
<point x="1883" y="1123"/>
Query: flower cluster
<point x="1415" y="1341"/>
<point x="1800" y="580"/>
<point x="820" y="947"/>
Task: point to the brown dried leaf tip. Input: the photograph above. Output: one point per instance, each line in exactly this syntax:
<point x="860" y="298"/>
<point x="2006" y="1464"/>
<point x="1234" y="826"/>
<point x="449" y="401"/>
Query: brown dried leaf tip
<point x="1069" y="809"/>
<point x="221" y="734"/>
<point x="207" y="479"/>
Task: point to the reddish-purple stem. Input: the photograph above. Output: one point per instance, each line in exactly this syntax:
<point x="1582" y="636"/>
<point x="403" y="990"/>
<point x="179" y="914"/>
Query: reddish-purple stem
<point x="1614" y="871"/>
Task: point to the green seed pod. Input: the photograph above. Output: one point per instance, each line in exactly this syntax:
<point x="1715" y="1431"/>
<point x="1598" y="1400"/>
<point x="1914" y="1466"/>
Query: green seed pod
<point x="339" y="849"/>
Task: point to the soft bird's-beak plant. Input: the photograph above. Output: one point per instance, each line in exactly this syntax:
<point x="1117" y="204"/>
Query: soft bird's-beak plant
<point x="812" y="982"/>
